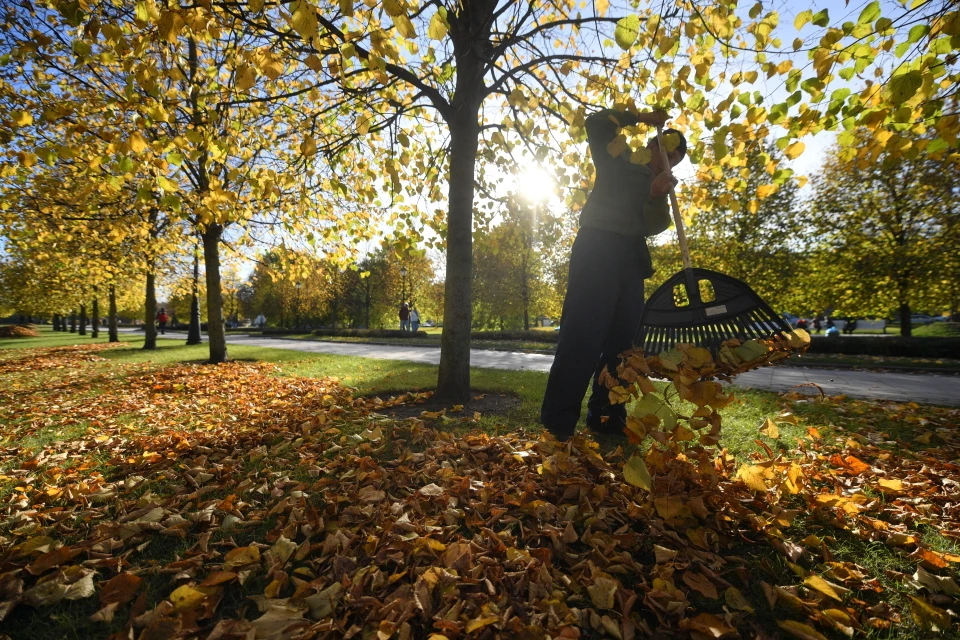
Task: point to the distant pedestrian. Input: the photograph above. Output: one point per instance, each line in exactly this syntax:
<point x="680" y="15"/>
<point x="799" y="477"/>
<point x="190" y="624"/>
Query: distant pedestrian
<point x="162" y="319"/>
<point x="851" y="326"/>
<point x="260" y="321"/>
<point x="832" y="331"/>
<point x="802" y="324"/>
<point x="414" y="319"/>
<point x="404" y="317"/>
<point x="817" y="325"/>
<point x="830" y="324"/>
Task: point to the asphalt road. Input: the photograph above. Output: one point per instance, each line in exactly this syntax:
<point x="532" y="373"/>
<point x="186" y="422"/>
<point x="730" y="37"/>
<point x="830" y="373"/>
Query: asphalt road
<point x="900" y="387"/>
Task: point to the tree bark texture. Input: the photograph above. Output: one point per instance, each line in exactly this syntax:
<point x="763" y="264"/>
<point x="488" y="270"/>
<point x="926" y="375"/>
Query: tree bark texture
<point x="453" y="383"/>
<point x="95" y="320"/>
<point x="56" y="322"/>
<point x="150" y="312"/>
<point x="73" y="322"/>
<point x="906" y="330"/>
<point x="83" y="319"/>
<point x="211" y="261"/>
<point x="114" y="335"/>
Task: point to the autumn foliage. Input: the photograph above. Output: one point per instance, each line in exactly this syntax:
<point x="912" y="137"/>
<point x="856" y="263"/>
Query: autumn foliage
<point x="229" y="501"/>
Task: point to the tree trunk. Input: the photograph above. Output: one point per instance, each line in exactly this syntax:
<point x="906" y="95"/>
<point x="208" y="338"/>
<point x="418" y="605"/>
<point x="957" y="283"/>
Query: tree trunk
<point x="114" y="335"/>
<point x="73" y="322"/>
<point x="905" y="329"/>
<point x="150" y="313"/>
<point x="211" y="262"/>
<point x="56" y="322"/>
<point x="83" y="319"/>
<point x="453" y="383"/>
<point x="95" y="320"/>
<point x="193" y="333"/>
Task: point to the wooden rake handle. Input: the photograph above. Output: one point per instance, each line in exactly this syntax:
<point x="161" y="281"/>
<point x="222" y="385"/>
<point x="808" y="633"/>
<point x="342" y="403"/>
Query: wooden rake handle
<point x="674" y="205"/>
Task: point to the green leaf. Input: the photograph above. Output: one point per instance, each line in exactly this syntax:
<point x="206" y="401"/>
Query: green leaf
<point x="917" y="32"/>
<point x="904" y="86"/>
<point x="870" y="13"/>
<point x="635" y="472"/>
<point x="756" y="9"/>
<point x="438" y="27"/>
<point x="175" y="159"/>
<point x="821" y="18"/>
<point x="627" y="31"/>
<point x="883" y="24"/>
<point x="802" y="18"/>
<point x="846" y="73"/>
<point x="840" y="94"/>
<point x="901" y="49"/>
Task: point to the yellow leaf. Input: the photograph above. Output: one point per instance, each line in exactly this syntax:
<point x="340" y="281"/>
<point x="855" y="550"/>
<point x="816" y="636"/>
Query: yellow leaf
<point x="186" y="597"/>
<point x="346" y="7"/>
<point x="438" y="27"/>
<point x="769" y="428"/>
<point x="246" y="77"/>
<point x="928" y="616"/>
<point x="800" y="630"/>
<point x="137" y="143"/>
<point x="890" y="486"/>
<point x="308" y="147"/>
<point x="405" y="27"/>
<point x="821" y="585"/>
<point x="752" y="476"/>
<point x="627" y="31"/>
<point x="794" y="150"/>
<point x="22" y="118"/>
<point x="766" y="190"/>
<point x="635" y="472"/>
<point x="393" y="8"/>
<point x="241" y="556"/>
<point x="480" y="623"/>
<point x="304" y="19"/>
<point x="736" y="600"/>
<point x="169" y="25"/>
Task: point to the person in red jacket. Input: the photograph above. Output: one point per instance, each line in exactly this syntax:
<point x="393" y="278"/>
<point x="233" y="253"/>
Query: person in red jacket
<point x="162" y="319"/>
<point x="404" y="317"/>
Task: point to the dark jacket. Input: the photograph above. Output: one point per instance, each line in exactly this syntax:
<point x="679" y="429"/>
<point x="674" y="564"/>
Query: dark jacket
<point x="620" y="200"/>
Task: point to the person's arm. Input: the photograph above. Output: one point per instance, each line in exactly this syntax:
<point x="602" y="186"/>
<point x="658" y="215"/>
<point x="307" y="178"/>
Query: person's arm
<point x="604" y="125"/>
<point x="656" y="216"/>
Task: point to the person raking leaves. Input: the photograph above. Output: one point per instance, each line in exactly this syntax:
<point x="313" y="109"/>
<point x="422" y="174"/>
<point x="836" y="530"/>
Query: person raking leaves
<point x="608" y="264"/>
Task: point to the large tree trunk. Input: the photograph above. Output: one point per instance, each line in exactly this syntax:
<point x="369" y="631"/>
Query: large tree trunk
<point x="453" y="383"/>
<point x="73" y="322"/>
<point x="193" y="333"/>
<point x="56" y="322"/>
<point x="95" y="320"/>
<point x="905" y="329"/>
<point x="114" y="335"/>
<point x="150" y="313"/>
<point x="216" y="335"/>
<point x="83" y="319"/>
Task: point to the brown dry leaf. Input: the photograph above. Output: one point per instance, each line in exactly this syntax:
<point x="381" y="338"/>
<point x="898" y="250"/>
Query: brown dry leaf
<point x="602" y="592"/>
<point x="701" y="584"/>
<point x="736" y="600"/>
<point x="709" y="625"/>
<point x="120" y="589"/>
<point x="843" y="621"/>
<point x="670" y="507"/>
<point x="241" y="556"/>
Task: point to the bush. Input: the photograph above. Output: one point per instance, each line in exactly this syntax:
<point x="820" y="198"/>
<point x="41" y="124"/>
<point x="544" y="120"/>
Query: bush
<point x="915" y="347"/>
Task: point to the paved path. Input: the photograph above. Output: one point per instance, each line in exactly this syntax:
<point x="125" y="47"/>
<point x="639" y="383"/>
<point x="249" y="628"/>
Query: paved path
<point x="901" y="387"/>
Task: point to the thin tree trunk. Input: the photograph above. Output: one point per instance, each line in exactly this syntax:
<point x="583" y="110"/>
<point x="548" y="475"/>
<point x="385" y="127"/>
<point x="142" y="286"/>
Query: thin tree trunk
<point x="905" y="329"/>
<point x="73" y="322"/>
<point x="453" y="383"/>
<point x="216" y="335"/>
<point x="95" y="321"/>
<point x="150" y="311"/>
<point x="193" y="333"/>
<point x="114" y="335"/>
<point x="83" y="319"/>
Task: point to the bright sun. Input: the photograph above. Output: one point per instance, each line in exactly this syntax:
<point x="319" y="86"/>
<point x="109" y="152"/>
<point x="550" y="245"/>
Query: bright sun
<point x="535" y="184"/>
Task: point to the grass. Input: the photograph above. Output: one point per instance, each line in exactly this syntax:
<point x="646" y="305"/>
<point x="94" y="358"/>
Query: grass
<point x="387" y="377"/>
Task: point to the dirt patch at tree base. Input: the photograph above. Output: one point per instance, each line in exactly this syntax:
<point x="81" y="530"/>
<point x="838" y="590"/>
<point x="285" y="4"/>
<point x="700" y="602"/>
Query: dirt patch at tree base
<point x="423" y="405"/>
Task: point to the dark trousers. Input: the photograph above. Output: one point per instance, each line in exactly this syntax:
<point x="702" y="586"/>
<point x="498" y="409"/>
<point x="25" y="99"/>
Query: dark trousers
<point x="601" y="313"/>
<point x="163" y="327"/>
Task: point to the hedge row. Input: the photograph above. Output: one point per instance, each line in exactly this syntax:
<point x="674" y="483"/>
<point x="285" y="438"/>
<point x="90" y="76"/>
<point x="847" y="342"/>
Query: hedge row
<point x="894" y="346"/>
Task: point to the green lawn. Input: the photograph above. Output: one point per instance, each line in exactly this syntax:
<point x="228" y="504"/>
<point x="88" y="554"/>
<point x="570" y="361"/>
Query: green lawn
<point x="895" y="428"/>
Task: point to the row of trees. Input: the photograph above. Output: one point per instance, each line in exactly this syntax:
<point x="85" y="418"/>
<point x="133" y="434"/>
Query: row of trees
<point x="146" y="125"/>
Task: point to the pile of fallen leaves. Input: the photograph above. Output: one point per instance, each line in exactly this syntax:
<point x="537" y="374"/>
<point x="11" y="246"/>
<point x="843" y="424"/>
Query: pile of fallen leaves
<point x="18" y="331"/>
<point x="228" y="502"/>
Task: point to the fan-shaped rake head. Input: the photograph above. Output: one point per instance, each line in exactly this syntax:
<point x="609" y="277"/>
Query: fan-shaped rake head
<point x="705" y="308"/>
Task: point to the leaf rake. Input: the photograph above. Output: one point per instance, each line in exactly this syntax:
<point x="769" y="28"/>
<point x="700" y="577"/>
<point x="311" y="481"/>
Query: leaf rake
<point x="700" y="306"/>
